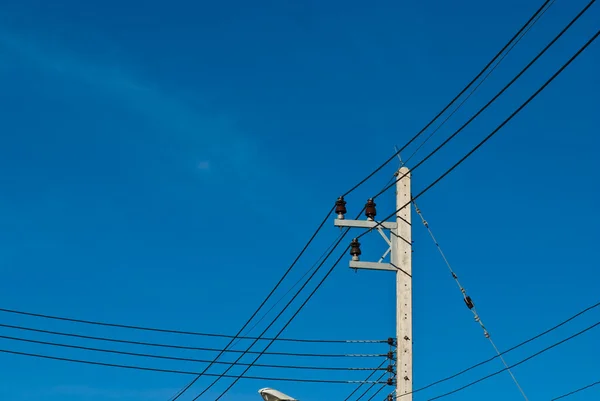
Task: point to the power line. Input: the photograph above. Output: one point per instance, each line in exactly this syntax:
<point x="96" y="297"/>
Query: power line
<point x="368" y="378"/>
<point x="462" y="92"/>
<point x="288" y="322"/>
<point x="498" y="128"/>
<point x="182" y="372"/>
<point x="376" y="393"/>
<point x="390" y="159"/>
<point x="468" y="300"/>
<point x="576" y="391"/>
<point x="369" y="389"/>
<point x="184" y="347"/>
<point x="553" y="328"/>
<point x="514" y="44"/>
<point x="170" y="331"/>
<point x="512" y="81"/>
<point x="173" y="358"/>
<point x="516" y="364"/>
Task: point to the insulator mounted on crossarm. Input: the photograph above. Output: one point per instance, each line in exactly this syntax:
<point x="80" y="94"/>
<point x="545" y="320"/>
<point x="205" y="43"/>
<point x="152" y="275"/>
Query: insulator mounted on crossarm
<point x="340" y="208"/>
<point x="355" y="249"/>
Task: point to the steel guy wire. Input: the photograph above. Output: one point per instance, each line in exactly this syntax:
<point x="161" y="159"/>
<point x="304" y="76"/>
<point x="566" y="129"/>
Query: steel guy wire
<point x="368" y="378"/>
<point x="173" y="358"/>
<point x="184" y="347"/>
<point x="498" y="128"/>
<point x="468" y="300"/>
<point x="182" y="372"/>
<point x="576" y="391"/>
<point x="553" y="328"/>
<point x="515" y="364"/>
<point x="514" y="44"/>
<point x="451" y="102"/>
<point x="512" y="81"/>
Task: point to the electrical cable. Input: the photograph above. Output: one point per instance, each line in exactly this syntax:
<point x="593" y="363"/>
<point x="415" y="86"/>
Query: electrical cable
<point x="370" y="387"/>
<point x="376" y="393"/>
<point x="451" y="102"/>
<point x="368" y="378"/>
<point x="551" y="329"/>
<point x="468" y="301"/>
<point x="515" y="364"/>
<point x="184" y="347"/>
<point x="576" y="391"/>
<point x="191" y="333"/>
<point x="514" y="44"/>
<point x="288" y="322"/>
<point x="182" y="372"/>
<point x="271" y="324"/>
<point x="173" y="358"/>
<point x="540" y="54"/>
<point x="498" y="128"/>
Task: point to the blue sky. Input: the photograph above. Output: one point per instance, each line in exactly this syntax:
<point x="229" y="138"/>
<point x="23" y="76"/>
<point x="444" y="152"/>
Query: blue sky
<point x="163" y="163"/>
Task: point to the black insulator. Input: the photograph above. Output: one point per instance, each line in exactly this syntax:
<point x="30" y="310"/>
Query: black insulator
<point x="469" y="302"/>
<point x="391" y="341"/>
<point x="340" y="207"/>
<point x="390" y="381"/>
<point x="370" y="210"/>
<point x="355" y="247"/>
<point x="390" y="368"/>
<point x="390" y="397"/>
<point x="390" y="355"/>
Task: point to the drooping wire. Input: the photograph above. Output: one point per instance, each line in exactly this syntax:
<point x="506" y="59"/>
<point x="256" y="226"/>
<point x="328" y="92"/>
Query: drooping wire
<point x="184" y="347"/>
<point x="191" y="333"/>
<point x="260" y="353"/>
<point x="173" y="358"/>
<point x="468" y="301"/>
<point x="182" y="372"/>
<point x="551" y="329"/>
<point x="489" y="103"/>
<point x="515" y="364"/>
<point x="515" y="36"/>
<point x="487" y="138"/>
<point x="535" y="19"/>
<point x="576" y="391"/>
<point x="368" y="378"/>
<point x="376" y="393"/>
<point x="370" y="387"/>
<point x="343" y="254"/>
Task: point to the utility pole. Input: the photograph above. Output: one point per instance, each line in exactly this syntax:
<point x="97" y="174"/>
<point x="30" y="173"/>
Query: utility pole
<point x="400" y="262"/>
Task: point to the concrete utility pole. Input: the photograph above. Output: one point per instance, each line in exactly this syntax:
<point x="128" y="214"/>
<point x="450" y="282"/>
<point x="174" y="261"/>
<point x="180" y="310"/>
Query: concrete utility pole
<point x="400" y="250"/>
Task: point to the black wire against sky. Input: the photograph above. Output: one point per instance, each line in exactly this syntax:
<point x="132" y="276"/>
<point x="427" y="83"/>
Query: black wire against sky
<point x="494" y="132"/>
<point x="181" y="372"/>
<point x="171" y="331"/>
<point x="174" y="358"/>
<point x="185" y="347"/>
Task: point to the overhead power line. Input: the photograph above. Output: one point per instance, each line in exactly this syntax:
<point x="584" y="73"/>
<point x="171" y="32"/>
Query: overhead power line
<point x="462" y="92"/>
<point x="535" y="19"/>
<point x="360" y="397"/>
<point x="174" y="358"/>
<point x="185" y="347"/>
<point x="494" y="132"/>
<point x="529" y="340"/>
<point x="368" y="378"/>
<point x="515" y="364"/>
<point x="491" y="101"/>
<point x="379" y="168"/>
<point x="171" y="331"/>
<point x="468" y="301"/>
<point x="182" y="372"/>
<point x="576" y="391"/>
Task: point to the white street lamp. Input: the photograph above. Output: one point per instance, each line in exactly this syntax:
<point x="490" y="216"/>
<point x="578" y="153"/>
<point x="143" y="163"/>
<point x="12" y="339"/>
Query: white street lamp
<point x="268" y="394"/>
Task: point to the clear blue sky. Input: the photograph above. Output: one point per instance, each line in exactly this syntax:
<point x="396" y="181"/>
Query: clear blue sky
<point x="163" y="163"/>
